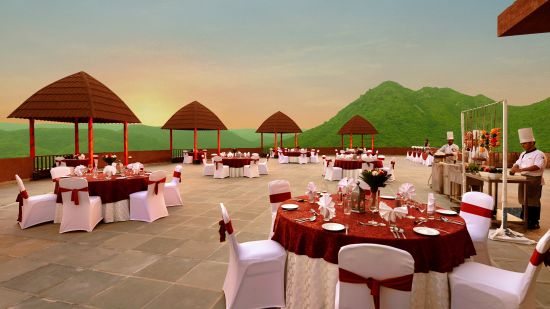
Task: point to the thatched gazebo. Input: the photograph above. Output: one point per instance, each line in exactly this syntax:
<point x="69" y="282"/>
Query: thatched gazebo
<point x="278" y="123"/>
<point x="77" y="98"/>
<point x="194" y="116"/>
<point x="358" y="125"/>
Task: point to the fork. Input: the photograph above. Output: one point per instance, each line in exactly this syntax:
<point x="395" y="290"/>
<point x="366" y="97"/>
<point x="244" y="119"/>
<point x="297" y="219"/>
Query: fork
<point x="393" y="232"/>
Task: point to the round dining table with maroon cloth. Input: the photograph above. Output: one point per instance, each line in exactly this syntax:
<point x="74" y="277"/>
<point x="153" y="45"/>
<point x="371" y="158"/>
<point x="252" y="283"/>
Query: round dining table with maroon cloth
<point x="236" y="162"/>
<point x="348" y="164"/>
<point x="440" y="253"/>
<point x="114" y="189"/>
<point x="76" y="162"/>
<point x="296" y="153"/>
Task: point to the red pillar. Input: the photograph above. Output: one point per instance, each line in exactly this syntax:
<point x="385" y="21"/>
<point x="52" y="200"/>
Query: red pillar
<point x="261" y="142"/>
<point x="91" y="140"/>
<point x="171" y="144"/>
<point x="275" y="144"/>
<point x="218" y="142"/>
<point x="350" y="140"/>
<point x="125" y="143"/>
<point x="32" y="148"/>
<point x="76" y="137"/>
<point x="372" y="142"/>
<point x="281" y="140"/>
<point x="362" y="141"/>
<point x="195" y="153"/>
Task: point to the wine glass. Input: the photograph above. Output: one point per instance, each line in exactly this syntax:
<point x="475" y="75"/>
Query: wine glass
<point x="347" y="214"/>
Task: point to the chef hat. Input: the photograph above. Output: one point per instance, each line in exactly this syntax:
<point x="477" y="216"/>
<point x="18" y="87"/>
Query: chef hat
<point x="526" y="135"/>
<point x="450" y="135"/>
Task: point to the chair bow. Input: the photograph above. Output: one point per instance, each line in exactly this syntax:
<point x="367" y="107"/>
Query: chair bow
<point x="23" y="195"/>
<point x="537" y="258"/>
<point x="403" y="283"/>
<point x="156" y="183"/>
<point x="225" y="227"/>
<point x="218" y="162"/>
<point x="476" y="210"/>
<point x="74" y="193"/>
<point x="177" y="175"/>
<point x="279" y="197"/>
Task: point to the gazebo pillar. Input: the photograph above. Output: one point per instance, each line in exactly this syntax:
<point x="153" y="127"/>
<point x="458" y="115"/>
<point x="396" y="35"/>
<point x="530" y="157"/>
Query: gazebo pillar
<point x="91" y="140"/>
<point x="76" y="137"/>
<point x="350" y="140"/>
<point x="281" y="139"/>
<point x="262" y="142"/>
<point x="362" y="141"/>
<point x="275" y="145"/>
<point x="126" y="143"/>
<point x="195" y="153"/>
<point x="171" y="144"/>
<point x="32" y="148"/>
<point x="218" y="142"/>
<point x="372" y="142"/>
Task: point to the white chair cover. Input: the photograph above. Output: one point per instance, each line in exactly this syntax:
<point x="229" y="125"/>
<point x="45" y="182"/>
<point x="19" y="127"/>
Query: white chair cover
<point x="476" y="209"/>
<point x="220" y="171"/>
<point x="314" y="156"/>
<point x="262" y="166"/>
<point x="208" y="169"/>
<point x="333" y="173"/>
<point x="279" y="191"/>
<point x="80" y="210"/>
<point x="149" y="205"/>
<point x="476" y="285"/>
<point x="282" y="158"/>
<point x="172" y="195"/>
<point x="252" y="170"/>
<point x="302" y="159"/>
<point x="373" y="261"/>
<point x="34" y="209"/>
<point x="256" y="270"/>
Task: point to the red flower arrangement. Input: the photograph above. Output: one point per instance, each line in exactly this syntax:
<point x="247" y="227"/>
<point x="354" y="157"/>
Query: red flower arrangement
<point x="109" y="158"/>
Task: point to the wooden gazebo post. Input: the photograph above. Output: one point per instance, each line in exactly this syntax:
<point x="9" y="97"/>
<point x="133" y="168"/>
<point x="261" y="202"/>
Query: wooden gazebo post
<point x="350" y="140"/>
<point x="91" y="140"/>
<point x="372" y="142"/>
<point x="275" y="145"/>
<point x="76" y="137"/>
<point x="195" y="154"/>
<point x="218" y="141"/>
<point x="282" y="146"/>
<point x="125" y="143"/>
<point x="32" y="147"/>
<point x="171" y="143"/>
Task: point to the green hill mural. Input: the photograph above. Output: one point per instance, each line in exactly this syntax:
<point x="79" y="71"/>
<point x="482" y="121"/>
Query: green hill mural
<point x="404" y="117"/>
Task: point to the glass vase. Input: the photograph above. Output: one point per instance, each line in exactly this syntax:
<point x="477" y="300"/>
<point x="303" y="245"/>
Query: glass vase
<point x="374" y="203"/>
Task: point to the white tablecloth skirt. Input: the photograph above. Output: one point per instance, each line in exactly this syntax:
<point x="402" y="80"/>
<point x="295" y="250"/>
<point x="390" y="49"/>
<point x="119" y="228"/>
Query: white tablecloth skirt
<point x="351" y="173"/>
<point x="311" y="283"/>
<point x="236" y="171"/>
<point x="112" y="212"/>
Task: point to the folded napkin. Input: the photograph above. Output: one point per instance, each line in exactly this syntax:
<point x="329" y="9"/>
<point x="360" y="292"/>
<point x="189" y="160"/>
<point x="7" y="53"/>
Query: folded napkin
<point x="407" y="190"/>
<point x="431" y="203"/>
<point x="80" y="170"/>
<point x="344" y="182"/>
<point x="326" y="206"/>
<point x="109" y="170"/>
<point x="230" y="155"/>
<point x="391" y="214"/>
<point x="311" y="187"/>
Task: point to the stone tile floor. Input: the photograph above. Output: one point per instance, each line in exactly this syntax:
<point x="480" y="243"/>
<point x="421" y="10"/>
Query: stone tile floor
<point x="176" y="262"/>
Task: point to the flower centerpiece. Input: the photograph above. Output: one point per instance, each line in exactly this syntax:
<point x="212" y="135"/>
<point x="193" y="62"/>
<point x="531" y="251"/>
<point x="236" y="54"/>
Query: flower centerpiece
<point x="375" y="179"/>
<point x="109" y="158"/>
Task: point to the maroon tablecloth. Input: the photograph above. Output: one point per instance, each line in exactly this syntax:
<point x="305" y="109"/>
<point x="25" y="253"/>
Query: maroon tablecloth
<point x="348" y="164"/>
<point x="236" y="162"/>
<point x="76" y="162"/>
<point x="431" y="253"/>
<point x="114" y="189"/>
<point x="295" y="153"/>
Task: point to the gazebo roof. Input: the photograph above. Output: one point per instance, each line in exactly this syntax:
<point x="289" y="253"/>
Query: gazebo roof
<point x="194" y="115"/>
<point x="279" y="123"/>
<point x="524" y="17"/>
<point x="357" y="125"/>
<point x="76" y="97"/>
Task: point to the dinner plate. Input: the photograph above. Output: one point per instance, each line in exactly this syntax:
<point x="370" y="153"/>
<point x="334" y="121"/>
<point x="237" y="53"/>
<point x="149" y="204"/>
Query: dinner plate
<point x="447" y="212"/>
<point x="333" y="227"/>
<point x="289" y="206"/>
<point x="425" y="231"/>
<point x="387" y="197"/>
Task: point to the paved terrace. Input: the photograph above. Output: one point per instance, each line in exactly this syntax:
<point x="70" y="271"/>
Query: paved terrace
<point x="178" y="261"/>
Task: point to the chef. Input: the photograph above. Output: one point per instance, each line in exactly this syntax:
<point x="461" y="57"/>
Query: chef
<point x="450" y="149"/>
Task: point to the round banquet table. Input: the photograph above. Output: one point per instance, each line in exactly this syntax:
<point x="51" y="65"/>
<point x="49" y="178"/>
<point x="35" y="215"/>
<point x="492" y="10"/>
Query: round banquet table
<point x="293" y="155"/>
<point x="350" y="168"/>
<point x="114" y="193"/>
<point x="313" y="254"/>
<point x="236" y="165"/>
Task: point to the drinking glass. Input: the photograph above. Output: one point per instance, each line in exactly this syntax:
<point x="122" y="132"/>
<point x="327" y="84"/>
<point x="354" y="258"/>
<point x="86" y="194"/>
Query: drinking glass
<point x="347" y="213"/>
<point x="90" y="169"/>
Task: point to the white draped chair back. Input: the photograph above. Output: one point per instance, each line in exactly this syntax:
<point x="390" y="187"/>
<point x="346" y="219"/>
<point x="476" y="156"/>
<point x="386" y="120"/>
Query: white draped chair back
<point x="172" y="195"/>
<point x="476" y="285"/>
<point x="333" y="173"/>
<point x="279" y="191"/>
<point x="80" y="210"/>
<point x="34" y="209"/>
<point x="477" y="210"/>
<point x="150" y="205"/>
<point x="208" y="169"/>
<point x="220" y="171"/>
<point x="372" y="261"/>
<point x="256" y="270"/>
<point x="262" y="166"/>
<point x="252" y="170"/>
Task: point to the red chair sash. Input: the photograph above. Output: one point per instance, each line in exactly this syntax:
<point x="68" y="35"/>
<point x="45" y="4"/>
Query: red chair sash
<point x="74" y="193"/>
<point x="378" y="164"/>
<point x="537" y="258"/>
<point x="476" y="210"/>
<point x="225" y="227"/>
<point x="156" y="183"/>
<point x="177" y="175"/>
<point x="218" y="162"/>
<point x="23" y="195"/>
<point x="403" y="283"/>
<point x="279" y="197"/>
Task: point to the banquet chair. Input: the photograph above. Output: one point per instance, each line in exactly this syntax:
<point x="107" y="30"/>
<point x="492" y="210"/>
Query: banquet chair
<point x="314" y="156"/>
<point x="150" y="205"/>
<point x="361" y="266"/>
<point x="477" y="210"/>
<point x="282" y="158"/>
<point x="59" y="161"/>
<point x="262" y="166"/>
<point x="279" y="191"/>
<point x="324" y="160"/>
<point x="80" y="210"/>
<point x="252" y="170"/>
<point x="221" y="171"/>
<point x="60" y="171"/>
<point x="302" y="159"/>
<point x="172" y="195"/>
<point x="333" y="173"/>
<point x="208" y="169"/>
<point x="256" y="271"/>
<point x="476" y="285"/>
<point x="187" y="159"/>
<point x="34" y="209"/>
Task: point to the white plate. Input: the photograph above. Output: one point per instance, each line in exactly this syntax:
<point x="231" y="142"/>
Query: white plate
<point x="333" y="227"/>
<point x="446" y="212"/>
<point x="387" y="197"/>
<point x="289" y="206"/>
<point x="425" y="231"/>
